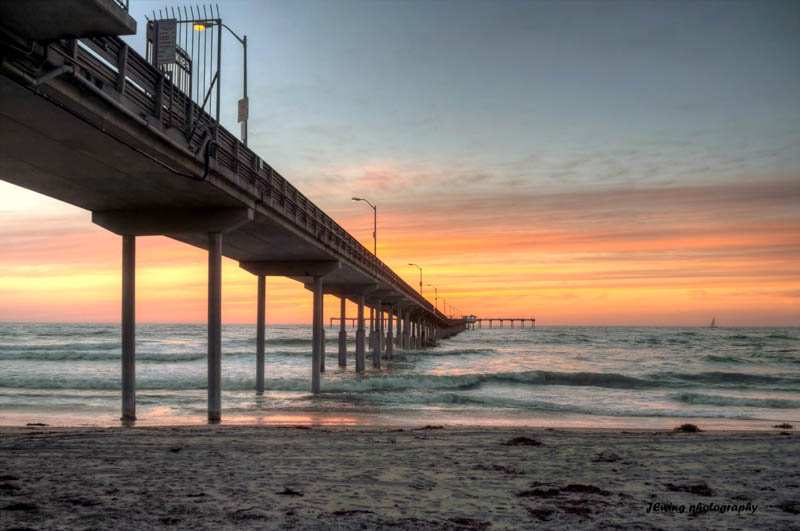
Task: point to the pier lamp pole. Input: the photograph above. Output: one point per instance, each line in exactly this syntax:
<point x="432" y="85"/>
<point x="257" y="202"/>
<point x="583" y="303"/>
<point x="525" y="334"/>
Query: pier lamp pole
<point x="420" y="276"/>
<point x="244" y="103"/>
<point x="244" y="109"/>
<point x="435" y="296"/>
<point x="374" y="224"/>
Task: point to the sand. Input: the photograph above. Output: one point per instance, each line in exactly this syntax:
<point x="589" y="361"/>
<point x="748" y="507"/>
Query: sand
<point x="224" y="477"/>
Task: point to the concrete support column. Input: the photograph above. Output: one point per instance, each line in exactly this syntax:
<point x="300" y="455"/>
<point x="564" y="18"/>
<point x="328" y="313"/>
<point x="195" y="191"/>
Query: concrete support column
<point x="390" y="334"/>
<point x="360" y="336"/>
<point x="316" y="336"/>
<point x="377" y="349"/>
<point x="214" y="327"/>
<point x="260" y="340"/>
<point x="371" y="328"/>
<point x="128" y="328"/>
<point x="342" y="334"/>
<point x="322" y="340"/>
<point x="413" y="339"/>
<point x="406" y="335"/>
<point x="398" y="337"/>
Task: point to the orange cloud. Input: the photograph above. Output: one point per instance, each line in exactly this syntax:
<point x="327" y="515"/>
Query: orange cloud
<point x="614" y="255"/>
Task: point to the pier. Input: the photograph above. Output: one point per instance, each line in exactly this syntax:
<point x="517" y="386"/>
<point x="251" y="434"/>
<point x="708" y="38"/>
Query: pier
<point x="87" y="120"/>
<point x="477" y="322"/>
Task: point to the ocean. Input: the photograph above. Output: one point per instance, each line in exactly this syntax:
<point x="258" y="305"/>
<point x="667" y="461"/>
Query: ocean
<point x="589" y="377"/>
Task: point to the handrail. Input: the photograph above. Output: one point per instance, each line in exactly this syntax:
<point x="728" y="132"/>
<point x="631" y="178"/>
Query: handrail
<point x="111" y="65"/>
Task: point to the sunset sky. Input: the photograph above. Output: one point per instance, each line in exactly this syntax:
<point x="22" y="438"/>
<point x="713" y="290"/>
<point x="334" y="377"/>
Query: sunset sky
<point x="585" y="163"/>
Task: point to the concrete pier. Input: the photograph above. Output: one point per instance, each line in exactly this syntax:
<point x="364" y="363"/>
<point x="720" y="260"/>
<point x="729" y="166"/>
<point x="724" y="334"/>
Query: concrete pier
<point x="214" y="326"/>
<point x="260" y="332"/>
<point x="342" y="333"/>
<point x="316" y="336"/>
<point x="360" y="336"/>
<point x="88" y="139"/>
<point x="128" y="328"/>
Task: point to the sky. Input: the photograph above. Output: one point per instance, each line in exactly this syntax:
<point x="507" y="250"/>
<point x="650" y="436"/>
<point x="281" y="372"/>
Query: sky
<point x="597" y="163"/>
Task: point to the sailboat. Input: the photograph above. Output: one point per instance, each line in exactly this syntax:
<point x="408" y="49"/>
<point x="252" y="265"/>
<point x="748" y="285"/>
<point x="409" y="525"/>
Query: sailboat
<point x="713" y="323"/>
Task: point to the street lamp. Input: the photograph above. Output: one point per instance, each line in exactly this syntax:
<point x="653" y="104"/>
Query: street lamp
<point x="244" y="104"/>
<point x="435" y="297"/>
<point x="374" y="224"/>
<point x="420" y="276"/>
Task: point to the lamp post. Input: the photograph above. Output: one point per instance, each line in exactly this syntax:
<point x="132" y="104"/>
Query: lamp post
<point x="435" y="296"/>
<point x="244" y="103"/>
<point x="420" y="276"/>
<point x="374" y="224"/>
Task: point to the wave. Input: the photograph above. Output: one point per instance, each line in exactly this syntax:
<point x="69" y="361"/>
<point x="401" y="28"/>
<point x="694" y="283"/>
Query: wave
<point x="726" y="379"/>
<point x="716" y="400"/>
<point x="721" y="359"/>
<point x="396" y="382"/>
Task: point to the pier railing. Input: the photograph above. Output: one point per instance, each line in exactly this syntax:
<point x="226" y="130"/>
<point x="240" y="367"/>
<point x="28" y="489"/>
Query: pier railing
<point x="108" y="65"/>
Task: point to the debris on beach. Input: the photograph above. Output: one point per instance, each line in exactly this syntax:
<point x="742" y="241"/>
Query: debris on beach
<point x="470" y="523"/>
<point x="522" y="441"/>
<point x="572" y="488"/>
<point x="288" y="491"/>
<point x="700" y="488"/>
<point x="494" y="467"/>
<point x="783" y="426"/>
<point x="606" y="456"/>
<point x="687" y="428"/>
<point x="791" y="507"/>
<point x="541" y="513"/>
<point x="22" y="506"/>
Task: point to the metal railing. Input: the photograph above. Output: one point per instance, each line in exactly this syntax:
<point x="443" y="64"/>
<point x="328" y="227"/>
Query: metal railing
<point x="112" y="67"/>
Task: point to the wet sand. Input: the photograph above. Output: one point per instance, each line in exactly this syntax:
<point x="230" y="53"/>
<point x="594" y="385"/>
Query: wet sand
<point x="223" y="477"/>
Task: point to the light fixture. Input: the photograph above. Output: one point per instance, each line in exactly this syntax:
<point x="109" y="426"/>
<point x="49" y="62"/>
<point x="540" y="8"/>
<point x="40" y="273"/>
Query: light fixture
<point x="199" y="27"/>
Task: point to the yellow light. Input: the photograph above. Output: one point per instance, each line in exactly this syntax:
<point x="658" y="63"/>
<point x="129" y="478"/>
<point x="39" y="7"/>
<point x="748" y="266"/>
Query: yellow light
<point x="199" y="27"/>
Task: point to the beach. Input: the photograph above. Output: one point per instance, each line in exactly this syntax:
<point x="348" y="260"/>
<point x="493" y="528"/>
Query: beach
<point x="416" y="477"/>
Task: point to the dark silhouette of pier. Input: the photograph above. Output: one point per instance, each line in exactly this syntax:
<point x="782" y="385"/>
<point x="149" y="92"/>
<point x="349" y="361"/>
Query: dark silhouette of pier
<point x="89" y="121"/>
<point x="478" y="321"/>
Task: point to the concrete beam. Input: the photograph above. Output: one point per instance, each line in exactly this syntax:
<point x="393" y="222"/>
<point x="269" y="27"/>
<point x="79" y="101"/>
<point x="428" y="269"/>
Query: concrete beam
<point x="385" y="296"/>
<point x="348" y="291"/>
<point x="308" y="268"/>
<point x="166" y="221"/>
<point x="46" y="19"/>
